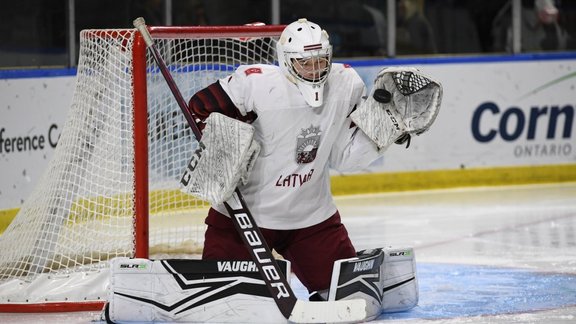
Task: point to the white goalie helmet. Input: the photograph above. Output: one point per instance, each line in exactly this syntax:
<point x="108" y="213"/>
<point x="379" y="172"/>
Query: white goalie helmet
<point x="305" y="56"/>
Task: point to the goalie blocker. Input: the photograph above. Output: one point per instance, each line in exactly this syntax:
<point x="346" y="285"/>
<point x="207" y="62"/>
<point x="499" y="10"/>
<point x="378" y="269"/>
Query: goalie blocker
<point x="224" y="158"/>
<point x="233" y="291"/>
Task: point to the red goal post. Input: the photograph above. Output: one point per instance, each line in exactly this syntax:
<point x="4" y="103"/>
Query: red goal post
<point x="111" y="188"/>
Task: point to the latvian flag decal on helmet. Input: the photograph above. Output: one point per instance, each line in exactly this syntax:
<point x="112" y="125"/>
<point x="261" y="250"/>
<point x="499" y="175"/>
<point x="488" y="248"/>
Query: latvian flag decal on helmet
<point x="312" y="47"/>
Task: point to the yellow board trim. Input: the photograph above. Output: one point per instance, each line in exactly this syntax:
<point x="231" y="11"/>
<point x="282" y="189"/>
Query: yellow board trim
<point x="6" y="217"/>
<point x="442" y="179"/>
<point x="373" y="183"/>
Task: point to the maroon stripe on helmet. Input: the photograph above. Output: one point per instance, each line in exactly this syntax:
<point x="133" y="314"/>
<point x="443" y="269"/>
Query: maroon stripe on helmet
<point x="312" y="47"/>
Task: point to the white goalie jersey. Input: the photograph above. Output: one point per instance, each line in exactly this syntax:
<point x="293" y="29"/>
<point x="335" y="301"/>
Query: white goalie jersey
<point x="289" y="185"/>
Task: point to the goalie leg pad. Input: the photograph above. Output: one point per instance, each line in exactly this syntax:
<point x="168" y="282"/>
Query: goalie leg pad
<point x="400" y="283"/>
<point x="143" y="290"/>
<point x="223" y="159"/>
<point x="359" y="278"/>
<point x="384" y="277"/>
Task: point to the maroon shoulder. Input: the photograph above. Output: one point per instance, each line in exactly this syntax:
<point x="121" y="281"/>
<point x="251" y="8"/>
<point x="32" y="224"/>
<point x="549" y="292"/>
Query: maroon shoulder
<point x="214" y="99"/>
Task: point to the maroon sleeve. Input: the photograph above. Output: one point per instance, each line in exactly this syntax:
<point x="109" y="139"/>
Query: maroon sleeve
<point x="214" y="99"/>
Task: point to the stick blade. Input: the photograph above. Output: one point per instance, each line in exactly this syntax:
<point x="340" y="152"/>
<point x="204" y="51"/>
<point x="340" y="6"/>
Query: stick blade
<point x="340" y="311"/>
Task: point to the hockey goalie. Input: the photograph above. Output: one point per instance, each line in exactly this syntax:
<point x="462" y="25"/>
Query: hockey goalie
<point x="274" y="133"/>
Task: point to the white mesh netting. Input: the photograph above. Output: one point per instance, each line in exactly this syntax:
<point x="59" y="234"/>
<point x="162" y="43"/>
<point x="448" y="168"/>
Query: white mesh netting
<point x="82" y="212"/>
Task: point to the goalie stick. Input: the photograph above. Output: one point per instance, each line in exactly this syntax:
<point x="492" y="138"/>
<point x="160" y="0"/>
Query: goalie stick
<point x="292" y="308"/>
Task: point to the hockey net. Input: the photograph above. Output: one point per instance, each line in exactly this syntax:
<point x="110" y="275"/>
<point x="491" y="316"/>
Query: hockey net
<point x="112" y="186"/>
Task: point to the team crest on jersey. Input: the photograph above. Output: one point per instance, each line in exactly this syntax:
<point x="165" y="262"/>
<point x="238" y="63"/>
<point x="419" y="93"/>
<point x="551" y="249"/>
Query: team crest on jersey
<point x="307" y="144"/>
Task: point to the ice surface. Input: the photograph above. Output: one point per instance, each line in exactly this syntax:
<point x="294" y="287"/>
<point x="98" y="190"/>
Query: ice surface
<point x="484" y="255"/>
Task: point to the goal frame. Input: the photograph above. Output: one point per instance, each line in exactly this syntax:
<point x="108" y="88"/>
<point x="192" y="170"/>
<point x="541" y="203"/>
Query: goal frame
<point x="140" y="137"/>
<point x="141" y="104"/>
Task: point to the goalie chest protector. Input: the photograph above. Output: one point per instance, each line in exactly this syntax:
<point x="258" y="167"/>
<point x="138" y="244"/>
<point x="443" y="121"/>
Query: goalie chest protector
<point x="143" y="290"/>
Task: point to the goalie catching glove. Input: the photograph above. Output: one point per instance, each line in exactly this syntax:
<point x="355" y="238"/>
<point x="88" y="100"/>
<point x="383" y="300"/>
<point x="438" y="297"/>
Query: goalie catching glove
<point x="223" y="159"/>
<point x="403" y="102"/>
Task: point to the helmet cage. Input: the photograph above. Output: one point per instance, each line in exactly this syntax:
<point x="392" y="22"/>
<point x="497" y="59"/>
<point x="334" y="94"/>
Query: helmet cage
<point x="310" y="67"/>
